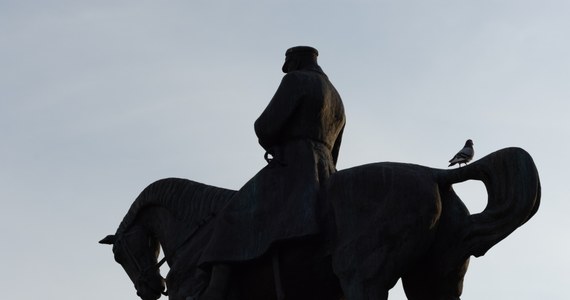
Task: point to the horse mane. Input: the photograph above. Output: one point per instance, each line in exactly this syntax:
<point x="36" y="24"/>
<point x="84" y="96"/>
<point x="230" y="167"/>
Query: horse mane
<point x="188" y="200"/>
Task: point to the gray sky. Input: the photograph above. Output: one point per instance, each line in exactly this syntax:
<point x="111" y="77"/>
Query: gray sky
<point x="100" y="98"/>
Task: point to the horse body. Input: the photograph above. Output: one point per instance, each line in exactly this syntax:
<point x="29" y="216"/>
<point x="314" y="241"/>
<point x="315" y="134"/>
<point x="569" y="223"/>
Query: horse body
<point x="390" y="227"/>
<point x="405" y="221"/>
<point x="388" y="221"/>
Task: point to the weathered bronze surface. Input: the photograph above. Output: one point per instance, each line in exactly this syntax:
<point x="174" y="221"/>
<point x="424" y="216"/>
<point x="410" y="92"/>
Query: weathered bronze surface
<point x="300" y="230"/>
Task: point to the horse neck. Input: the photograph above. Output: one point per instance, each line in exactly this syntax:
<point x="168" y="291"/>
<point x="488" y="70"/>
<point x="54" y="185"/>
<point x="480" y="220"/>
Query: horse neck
<point x="167" y="229"/>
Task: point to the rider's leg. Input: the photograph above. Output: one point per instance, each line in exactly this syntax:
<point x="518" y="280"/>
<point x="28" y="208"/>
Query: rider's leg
<point x="219" y="283"/>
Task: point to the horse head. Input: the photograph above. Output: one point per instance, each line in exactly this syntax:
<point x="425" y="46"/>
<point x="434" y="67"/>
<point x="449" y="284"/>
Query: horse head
<point x="137" y="252"/>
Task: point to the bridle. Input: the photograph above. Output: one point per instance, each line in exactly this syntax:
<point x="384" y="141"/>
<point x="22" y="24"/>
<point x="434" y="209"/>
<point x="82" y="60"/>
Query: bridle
<point x="142" y="277"/>
<point x="142" y="272"/>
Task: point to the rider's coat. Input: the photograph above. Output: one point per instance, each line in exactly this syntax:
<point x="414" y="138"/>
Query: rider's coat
<point x="302" y="129"/>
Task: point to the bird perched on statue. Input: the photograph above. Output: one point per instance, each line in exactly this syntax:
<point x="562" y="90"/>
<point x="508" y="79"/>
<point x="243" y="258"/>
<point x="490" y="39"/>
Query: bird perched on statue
<point x="464" y="155"/>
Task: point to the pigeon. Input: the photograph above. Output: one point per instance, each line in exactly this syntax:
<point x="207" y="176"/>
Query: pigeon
<point x="464" y="155"/>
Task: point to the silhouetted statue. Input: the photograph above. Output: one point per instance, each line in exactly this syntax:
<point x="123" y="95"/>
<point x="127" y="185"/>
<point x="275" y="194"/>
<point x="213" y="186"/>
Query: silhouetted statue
<point x="300" y="230"/>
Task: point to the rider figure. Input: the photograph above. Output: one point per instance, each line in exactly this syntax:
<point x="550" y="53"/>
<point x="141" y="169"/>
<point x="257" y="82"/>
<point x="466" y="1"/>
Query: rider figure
<point x="301" y="131"/>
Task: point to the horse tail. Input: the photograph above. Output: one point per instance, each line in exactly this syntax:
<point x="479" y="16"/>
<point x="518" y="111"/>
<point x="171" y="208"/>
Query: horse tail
<point x="191" y="201"/>
<point x="513" y="187"/>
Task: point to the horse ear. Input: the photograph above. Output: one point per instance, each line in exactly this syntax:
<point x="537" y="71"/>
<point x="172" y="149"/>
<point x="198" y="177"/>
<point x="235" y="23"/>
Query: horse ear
<point x="108" y="240"/>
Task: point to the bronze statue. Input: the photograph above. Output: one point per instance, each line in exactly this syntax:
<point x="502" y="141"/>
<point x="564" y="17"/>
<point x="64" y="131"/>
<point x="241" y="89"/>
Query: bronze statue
<point x="300" y="230"/>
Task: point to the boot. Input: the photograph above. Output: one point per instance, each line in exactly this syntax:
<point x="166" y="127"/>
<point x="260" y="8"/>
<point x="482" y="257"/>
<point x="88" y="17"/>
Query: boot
<point x="219" y="282"/>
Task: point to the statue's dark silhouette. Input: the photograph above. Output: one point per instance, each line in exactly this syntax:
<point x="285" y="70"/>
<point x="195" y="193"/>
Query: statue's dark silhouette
<point x="299" y="230"/>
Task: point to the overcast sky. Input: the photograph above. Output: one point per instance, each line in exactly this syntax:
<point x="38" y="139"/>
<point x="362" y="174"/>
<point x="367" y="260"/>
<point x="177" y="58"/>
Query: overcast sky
<point x="100" y="98"/>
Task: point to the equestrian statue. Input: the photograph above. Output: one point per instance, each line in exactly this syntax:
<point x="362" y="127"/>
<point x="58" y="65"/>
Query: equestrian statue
<point x="300" y="229"/>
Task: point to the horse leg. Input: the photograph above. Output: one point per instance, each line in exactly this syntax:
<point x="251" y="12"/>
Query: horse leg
<point x="426" y="284"/>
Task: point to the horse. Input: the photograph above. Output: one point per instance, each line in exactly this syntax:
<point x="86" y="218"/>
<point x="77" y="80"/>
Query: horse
<point x="387" y="221"/>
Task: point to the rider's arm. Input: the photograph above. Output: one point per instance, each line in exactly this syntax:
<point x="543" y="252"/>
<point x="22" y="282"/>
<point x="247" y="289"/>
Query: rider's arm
<point x="269" y="125"/>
